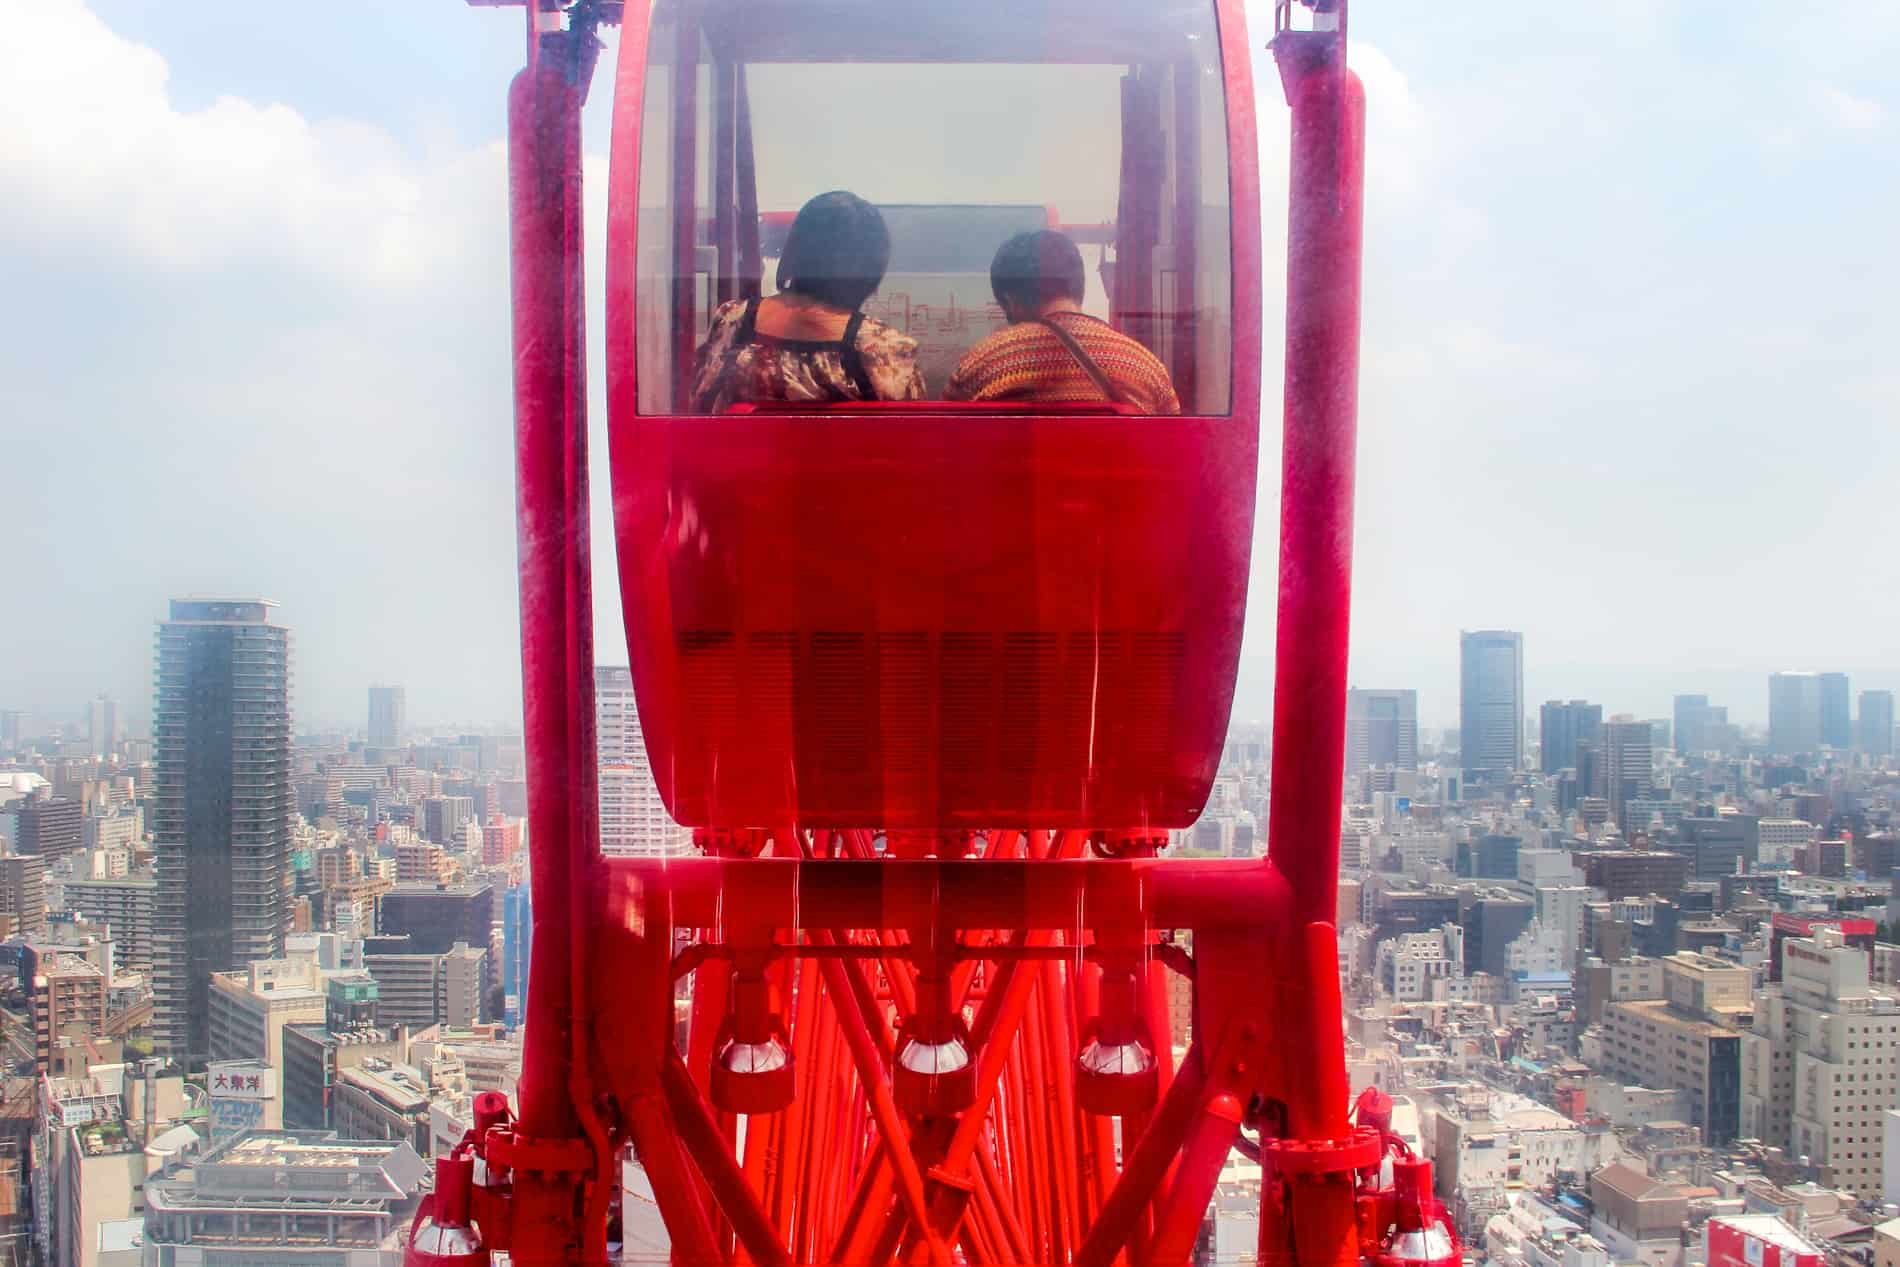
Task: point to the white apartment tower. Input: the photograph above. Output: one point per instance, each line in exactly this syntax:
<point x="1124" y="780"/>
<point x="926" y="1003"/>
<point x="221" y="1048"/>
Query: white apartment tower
<point x="633" y="820"/>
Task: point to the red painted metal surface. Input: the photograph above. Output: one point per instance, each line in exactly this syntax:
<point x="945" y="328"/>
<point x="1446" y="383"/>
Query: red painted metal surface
<point x="556" y="644"/>
<point x="896" y="989"/>
<point x="934" y="621"/>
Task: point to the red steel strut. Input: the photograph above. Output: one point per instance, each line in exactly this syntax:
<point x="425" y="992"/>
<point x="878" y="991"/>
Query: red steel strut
<point x="1307" y="1195"/>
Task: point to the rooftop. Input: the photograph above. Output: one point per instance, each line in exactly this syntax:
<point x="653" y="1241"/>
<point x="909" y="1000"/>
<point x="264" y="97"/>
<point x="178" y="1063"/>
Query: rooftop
<point x="1634" y="1183"/>
<point x="1660" y="1010"/>
<point x="1768" y="1228"/>
<point x="279" y="1170"/>
<point x="400" y="1086"/>
<point x="103" y="1139"/>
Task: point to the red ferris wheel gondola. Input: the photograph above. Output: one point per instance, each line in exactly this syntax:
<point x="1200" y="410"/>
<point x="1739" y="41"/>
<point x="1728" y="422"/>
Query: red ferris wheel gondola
<point x="933" y="679"/>
<point x="926" y="615"/>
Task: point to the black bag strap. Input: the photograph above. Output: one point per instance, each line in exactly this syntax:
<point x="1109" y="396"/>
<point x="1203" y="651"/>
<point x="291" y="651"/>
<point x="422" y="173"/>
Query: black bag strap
<point x="748" y="323"/>
<point x="853" y="360"/>
<point x="1083" y="359"/>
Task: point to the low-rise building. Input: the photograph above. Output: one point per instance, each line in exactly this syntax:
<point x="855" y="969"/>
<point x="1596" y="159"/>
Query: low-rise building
<point x="96" y="1139"/>
<point x="249" y="1009"/>
<point x="380" y="1100"/>
<point x="1410" y="963"/>
<point x="1689" y="1039"/>
<point x="315" y="1057"/>
<point x="286" y="1198"/>
<point x="1488" y="1145"/>
<point x="1639" y="1219"/>
<point x="1819" y="1065"/>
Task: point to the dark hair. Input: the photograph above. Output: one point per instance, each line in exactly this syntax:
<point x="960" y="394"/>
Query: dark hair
<point x="1034" y="268"/>
<point x="837" y="250"/>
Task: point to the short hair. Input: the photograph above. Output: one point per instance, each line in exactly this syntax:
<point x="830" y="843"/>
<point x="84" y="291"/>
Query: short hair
<point x="1037" y="267"/>
<point x="837" y="250"/>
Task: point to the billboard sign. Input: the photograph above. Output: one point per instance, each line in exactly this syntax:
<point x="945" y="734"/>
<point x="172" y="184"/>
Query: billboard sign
<point x="240" y="1080"/>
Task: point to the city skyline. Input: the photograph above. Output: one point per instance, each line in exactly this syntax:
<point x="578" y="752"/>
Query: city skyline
<point x="1744" y="692"/>
<point x="1489" y="309"/>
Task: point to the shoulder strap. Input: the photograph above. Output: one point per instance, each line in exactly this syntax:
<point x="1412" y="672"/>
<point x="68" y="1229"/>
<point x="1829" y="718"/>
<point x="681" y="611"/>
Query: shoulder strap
<point x="854" y="361"/>
<point x="1102" y="382"/>
<point x="748" y="323"/>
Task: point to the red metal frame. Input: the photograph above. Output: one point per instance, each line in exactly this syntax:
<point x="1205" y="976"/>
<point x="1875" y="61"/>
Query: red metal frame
<point x="808" y="943"/>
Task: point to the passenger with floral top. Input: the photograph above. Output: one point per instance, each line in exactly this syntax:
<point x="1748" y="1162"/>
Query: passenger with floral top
<point x="811" y="342"/>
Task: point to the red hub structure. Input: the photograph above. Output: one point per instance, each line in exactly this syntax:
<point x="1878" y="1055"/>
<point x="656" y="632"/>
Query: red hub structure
<point x="933" y="680"/>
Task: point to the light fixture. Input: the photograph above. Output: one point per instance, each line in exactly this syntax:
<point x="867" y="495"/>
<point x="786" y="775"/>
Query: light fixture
<point x="752" y="1061"/>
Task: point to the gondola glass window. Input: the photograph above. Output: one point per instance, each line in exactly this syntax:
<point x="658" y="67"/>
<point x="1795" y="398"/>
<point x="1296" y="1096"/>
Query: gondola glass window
<point x="964" y="124"/>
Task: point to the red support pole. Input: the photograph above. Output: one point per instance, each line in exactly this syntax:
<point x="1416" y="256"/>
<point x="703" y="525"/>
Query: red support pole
<point x="895" y="1139"/>
<point x="1208" y="1144"/>
<point x="1317" y="457"/>
<point x="556" y="639"/>
<point x="706" y="1144"/>
<point x="1061" y="1069"/>
<point x="997" y="1192"/>
<point x="1324" y="232"/>
<point x="1145" y="1166"/>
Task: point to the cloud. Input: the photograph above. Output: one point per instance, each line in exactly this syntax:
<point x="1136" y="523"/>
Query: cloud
<point x="250" y="350"/>
<point x="1845" y="110"/>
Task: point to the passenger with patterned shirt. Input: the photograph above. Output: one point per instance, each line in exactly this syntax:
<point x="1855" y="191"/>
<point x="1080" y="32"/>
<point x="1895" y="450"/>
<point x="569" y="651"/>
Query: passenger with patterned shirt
<point x="1052" y="350"/>
<point x="811" y="342"/>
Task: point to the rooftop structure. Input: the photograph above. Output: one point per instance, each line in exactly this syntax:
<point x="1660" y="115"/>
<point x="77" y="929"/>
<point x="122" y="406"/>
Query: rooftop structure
<point x="282" y="1196"/>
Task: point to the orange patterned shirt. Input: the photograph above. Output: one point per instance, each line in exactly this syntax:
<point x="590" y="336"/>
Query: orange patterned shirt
<point x="1026" y="362"/>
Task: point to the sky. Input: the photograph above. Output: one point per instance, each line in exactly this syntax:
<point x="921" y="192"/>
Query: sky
<point x="1628" y="373"/>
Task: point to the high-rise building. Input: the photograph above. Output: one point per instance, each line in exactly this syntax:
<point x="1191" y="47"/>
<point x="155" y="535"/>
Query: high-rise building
<point x="102" y="725"/>
<point x="443" y="818"/>
<point x="128" y="905"/>
<point x="1381" y="729"/>
<point x="437" y="916"/>
<point x="501" y="840"/>
<point x="23" y="893"/>
<point x="1794" y="712"/>
<point x="1701" y="726"/>
<point x="1837" y="722"/>
<point x="1491" y="699"/>
<point x="68" y="1000"/>
<point x="517" y="938"/>
<point x="49" y="826"/>
<point x="633" y="819"/>
<point x="1628" y="766"/>
<point x="221" y="807"/>
<point x="387" y="716"/>
<point x="1562" y="727"/>
<point x="1876" y="723"/>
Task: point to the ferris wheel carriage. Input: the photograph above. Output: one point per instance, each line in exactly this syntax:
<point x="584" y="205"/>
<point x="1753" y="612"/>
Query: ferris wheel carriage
<point x="933" y="342"/>
<point x="933" y="612"/>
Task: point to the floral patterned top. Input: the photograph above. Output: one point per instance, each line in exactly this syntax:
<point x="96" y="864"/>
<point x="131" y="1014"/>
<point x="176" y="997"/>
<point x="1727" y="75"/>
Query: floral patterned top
<point x="872" y="361"/>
